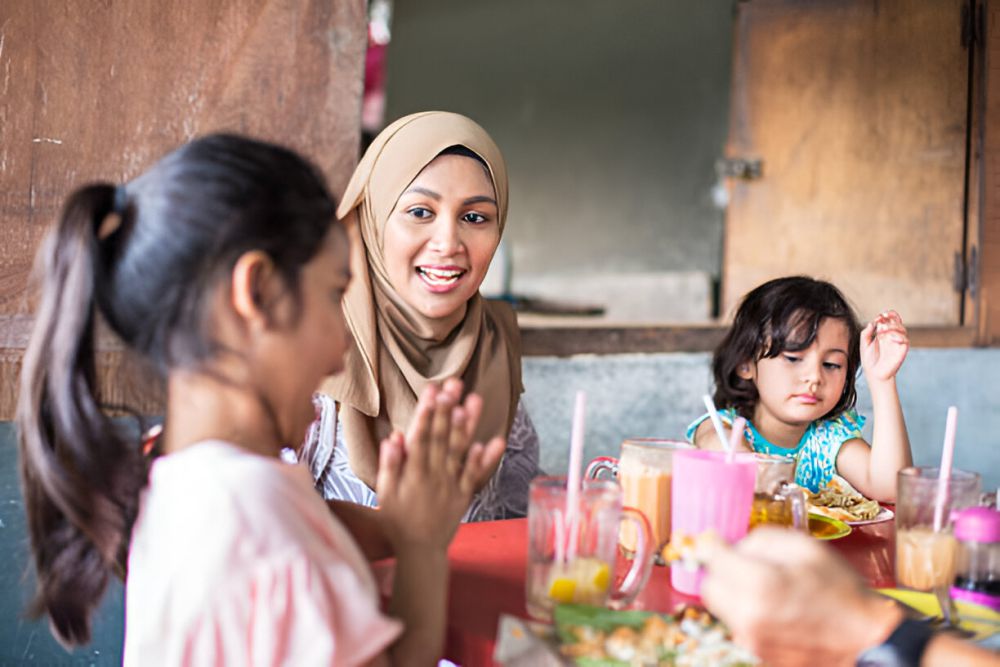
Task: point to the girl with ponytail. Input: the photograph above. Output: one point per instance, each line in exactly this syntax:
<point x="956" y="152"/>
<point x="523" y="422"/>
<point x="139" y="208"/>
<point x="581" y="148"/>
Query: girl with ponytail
<point x="222" y="265"/>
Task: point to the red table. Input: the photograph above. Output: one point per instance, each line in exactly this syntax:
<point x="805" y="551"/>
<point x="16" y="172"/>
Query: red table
<point x="488" y="572"/>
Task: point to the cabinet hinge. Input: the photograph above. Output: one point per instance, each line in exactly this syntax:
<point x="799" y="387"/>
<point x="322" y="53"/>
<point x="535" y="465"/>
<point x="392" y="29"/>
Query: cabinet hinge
<point x="966" y="274"/>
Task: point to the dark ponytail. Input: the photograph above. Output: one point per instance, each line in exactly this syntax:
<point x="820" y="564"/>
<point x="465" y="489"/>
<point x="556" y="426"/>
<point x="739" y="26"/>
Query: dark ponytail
<point x="145" y="259"/>
<point x="80" y="477"/>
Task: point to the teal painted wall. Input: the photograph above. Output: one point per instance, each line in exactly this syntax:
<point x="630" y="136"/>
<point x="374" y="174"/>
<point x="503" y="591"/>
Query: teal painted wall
<point x="23" y="641"/>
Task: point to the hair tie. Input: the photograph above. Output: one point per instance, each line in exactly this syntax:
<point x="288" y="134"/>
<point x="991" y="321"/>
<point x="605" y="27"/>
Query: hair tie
<point x="110" y="224"/>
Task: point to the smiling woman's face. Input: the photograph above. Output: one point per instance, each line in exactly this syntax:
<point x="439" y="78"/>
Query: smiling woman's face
<point x="441" y="236"/>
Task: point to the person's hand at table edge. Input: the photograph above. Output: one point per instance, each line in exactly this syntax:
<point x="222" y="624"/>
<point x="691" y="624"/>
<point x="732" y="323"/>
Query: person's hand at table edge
<point x="793" y="601"/>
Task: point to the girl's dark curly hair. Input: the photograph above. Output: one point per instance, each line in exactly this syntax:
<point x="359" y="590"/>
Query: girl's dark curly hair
<point x="781" y="315"/>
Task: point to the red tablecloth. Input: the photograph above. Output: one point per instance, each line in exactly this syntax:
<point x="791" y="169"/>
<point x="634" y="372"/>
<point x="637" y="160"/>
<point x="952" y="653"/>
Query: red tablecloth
<point x="488" y="572"/>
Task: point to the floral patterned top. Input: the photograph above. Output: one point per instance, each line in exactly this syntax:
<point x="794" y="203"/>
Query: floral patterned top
<point x="816" y="453"/>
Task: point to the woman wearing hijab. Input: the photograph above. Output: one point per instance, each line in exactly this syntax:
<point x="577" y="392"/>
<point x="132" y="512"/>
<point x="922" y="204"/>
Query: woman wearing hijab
<point x="430" y="199"/>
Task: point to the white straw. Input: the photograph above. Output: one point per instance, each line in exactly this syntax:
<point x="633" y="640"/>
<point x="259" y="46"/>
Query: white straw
<point x="735" y="437"/>
<point x="944" y="474"/>
<point x="713" y="414"/>
<point x="573" y="475"/>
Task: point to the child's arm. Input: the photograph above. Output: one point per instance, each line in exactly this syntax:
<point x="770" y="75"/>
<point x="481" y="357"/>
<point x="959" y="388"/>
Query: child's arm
<point x="364" y="524"/>
<point x="872" y="471"/>
<point x="425" y="484"/>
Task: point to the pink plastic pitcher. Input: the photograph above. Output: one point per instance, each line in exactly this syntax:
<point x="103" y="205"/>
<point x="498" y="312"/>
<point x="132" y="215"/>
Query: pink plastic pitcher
<point x="709" y="493"/>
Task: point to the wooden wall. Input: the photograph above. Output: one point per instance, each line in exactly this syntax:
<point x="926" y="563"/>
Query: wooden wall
<point x="100" y="90"/>
<point x="858" y="110"/>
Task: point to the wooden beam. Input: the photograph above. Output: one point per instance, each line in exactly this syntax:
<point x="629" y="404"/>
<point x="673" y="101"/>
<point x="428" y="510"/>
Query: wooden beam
<point x="563" y="341"/>
<point x="124" y="382"/>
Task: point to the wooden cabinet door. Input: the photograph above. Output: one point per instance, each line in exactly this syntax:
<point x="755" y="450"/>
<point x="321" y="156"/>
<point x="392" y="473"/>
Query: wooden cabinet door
<point x="100" y="90"/>
<point x="858" y="111"/>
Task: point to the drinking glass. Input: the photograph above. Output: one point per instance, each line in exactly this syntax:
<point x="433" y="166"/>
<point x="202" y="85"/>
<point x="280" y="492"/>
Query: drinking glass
<point x="777" y="500"/>
<point x="710" y="493"/>
<point x="576" y="563"/>
<point x="645" y="471"/>
<point x="925" y="556"/>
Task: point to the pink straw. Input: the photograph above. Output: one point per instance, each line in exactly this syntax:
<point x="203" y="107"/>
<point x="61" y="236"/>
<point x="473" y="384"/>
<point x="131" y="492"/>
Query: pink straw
<point x="573" y="475"/>
<point x="735" y="437"/>
<point x="945" y="472"/>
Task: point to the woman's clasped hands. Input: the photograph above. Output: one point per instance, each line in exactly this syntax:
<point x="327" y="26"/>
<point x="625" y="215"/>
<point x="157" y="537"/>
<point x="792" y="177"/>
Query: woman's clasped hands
<point x="426" y="479"/>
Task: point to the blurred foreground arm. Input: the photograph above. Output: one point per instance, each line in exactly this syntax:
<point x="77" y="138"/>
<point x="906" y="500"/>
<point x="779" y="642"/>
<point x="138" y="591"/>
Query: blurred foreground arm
<point x="365" y="527"/>
<point x="793" y="601"/>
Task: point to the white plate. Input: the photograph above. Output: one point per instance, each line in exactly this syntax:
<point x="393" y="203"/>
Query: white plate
<point x="884" y="514"/>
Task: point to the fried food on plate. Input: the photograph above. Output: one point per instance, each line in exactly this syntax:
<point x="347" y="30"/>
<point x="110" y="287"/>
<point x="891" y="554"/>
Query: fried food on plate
<point x="839" y="500"/>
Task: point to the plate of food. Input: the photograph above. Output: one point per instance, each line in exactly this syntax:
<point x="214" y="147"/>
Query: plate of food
<point x="841" y="501"/>
<point x="884" y="514"/>
<point x="599" y="637"/>
<point x="826" y="528"/>
<point x="590" y="636"/>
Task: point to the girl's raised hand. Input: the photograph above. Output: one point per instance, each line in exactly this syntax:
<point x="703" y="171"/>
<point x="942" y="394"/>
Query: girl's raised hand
<point x="426" y="479"/>
<point x="884" y="344"/>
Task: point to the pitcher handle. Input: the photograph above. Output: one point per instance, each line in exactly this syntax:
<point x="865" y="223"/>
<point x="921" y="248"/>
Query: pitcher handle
<point x="800" y="512"/>
<point x="642" y="564"/>
<point x="599" y="464"/>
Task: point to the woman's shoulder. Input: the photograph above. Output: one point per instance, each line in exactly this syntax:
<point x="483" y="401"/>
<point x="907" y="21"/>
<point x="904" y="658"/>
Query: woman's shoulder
<point x="523" y="434"/>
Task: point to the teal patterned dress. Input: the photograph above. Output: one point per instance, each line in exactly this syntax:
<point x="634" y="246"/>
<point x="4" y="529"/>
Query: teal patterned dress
<point x="816" y="453"/>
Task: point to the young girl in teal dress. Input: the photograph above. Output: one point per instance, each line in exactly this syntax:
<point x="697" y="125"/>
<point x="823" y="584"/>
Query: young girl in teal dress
<point x="788" y="366"/>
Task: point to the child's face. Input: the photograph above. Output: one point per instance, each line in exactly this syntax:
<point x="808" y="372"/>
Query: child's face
<point x="441" y="236"/>
<point x="797" y="388"/>
<point x="302" y="351"/>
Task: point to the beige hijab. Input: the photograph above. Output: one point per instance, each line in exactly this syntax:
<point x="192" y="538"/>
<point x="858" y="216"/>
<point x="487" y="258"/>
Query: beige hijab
<point x="396" y="350"/>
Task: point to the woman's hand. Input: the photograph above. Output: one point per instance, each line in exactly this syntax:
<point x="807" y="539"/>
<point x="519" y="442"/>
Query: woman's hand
<point x="792" y="601"/>
<point x="884" y="344"/>
<point x="426" y="480"/>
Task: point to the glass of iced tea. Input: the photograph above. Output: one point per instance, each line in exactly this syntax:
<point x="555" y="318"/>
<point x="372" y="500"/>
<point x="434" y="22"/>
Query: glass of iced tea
<point x="575" y="561"/>
<point x="925" y="554"/>
<point x="777" y="500"/>
<point x="645" y="471"/>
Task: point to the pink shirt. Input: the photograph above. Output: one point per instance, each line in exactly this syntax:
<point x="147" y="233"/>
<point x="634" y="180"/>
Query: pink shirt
<point x="235" y="560"/>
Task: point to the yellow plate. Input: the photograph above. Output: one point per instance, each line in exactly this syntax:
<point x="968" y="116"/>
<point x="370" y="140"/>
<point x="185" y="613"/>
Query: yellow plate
<point x="824" y="528"/>
<point x="975" y="618"/>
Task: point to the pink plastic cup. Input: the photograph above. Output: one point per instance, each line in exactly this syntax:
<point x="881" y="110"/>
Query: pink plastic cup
<point x="709" y="493"/>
